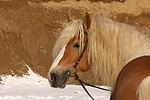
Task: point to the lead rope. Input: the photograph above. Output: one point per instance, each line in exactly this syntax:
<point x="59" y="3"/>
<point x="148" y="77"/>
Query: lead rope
<point x="81" y="82"/>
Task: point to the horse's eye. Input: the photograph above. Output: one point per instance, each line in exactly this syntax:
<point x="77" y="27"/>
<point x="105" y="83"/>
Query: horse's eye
<point x="76" y="45"/>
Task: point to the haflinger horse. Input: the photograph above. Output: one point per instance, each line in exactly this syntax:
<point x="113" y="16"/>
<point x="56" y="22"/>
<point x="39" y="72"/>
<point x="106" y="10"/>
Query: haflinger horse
<point x="118" y="53"/>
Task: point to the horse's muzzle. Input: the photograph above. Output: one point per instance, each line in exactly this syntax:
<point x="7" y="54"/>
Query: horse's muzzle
<point x="57" y="79"/>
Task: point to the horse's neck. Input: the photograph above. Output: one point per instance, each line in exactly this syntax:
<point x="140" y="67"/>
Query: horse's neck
<point x="132" y="45"/>
<point x="124" y="44"/>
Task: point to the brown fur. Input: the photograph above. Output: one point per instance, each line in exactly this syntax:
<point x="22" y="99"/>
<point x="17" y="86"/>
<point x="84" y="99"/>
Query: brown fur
<point x="71" y="55"/>
<point x="130" y="78"/>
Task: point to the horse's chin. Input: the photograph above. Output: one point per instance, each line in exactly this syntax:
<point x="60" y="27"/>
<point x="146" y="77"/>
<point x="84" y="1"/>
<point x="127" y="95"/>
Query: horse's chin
<point x="62" y="86"/>
<point x="64" y="81"/>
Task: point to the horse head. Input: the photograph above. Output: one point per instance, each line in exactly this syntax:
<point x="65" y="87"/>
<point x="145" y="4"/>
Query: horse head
<point x="67" y="51"/>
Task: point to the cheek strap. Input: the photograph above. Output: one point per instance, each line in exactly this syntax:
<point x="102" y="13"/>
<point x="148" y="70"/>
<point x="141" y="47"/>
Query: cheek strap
<point x="78" y="78"/>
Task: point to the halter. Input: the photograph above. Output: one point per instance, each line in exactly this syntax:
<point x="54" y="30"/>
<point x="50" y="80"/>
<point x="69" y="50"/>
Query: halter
<point x="77" y="77"/>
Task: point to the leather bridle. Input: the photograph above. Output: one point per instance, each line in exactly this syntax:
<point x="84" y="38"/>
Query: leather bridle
<point x="77" y="77"/>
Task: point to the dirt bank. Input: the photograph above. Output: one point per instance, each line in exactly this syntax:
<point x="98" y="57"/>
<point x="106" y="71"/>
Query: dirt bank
<point x="29" y="29"/>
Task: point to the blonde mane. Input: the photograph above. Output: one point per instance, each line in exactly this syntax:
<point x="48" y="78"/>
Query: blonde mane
<point x="71" y="31"/>
<point x="112" y="45"/>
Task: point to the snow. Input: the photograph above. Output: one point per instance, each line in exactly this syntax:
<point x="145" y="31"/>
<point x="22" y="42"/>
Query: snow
<point x="35" y="87"/>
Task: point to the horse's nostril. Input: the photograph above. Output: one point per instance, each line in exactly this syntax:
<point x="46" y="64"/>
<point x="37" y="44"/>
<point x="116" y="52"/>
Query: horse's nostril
<point x="53" y="79"/>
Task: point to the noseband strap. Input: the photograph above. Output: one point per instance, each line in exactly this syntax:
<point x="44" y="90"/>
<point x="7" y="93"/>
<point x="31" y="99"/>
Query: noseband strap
<point x="78" y="78"/>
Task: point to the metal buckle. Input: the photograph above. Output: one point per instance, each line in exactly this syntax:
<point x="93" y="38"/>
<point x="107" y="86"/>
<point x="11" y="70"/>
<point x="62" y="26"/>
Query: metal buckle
<point x="69" y="73"/>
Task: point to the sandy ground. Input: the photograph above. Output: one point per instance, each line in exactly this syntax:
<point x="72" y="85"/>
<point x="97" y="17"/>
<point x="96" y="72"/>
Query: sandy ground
<point x="29" y="29"/>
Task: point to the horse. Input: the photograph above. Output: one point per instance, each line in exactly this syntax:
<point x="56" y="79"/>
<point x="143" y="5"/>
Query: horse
<point x="116" y="52"/>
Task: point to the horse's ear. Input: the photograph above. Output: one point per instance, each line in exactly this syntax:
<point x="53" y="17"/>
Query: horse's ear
<point x="87" y="20"/>
<point x="69" y="17"/>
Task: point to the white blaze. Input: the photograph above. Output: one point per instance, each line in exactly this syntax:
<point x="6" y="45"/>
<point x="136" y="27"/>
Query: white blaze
<point x="57" y="59"/>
